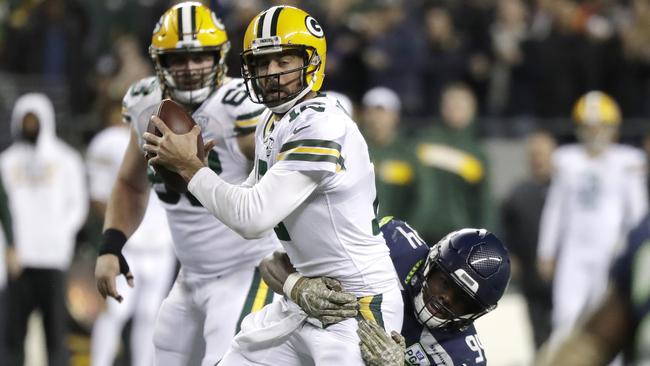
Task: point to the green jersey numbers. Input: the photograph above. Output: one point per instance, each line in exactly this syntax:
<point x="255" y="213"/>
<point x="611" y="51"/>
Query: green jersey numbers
<point x="172" y="197"/>
<point x="262" y="167"/>
<point x="144" y="87"/>
<point x="318" y="107"/>
<point x="235" y="96"/>
<point x="214" y="162"/>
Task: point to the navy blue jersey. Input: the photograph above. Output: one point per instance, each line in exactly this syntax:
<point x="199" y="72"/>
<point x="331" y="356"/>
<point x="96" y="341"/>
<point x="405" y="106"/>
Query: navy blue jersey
<point x="424" y="346"/>
<point x="631" y="274"/>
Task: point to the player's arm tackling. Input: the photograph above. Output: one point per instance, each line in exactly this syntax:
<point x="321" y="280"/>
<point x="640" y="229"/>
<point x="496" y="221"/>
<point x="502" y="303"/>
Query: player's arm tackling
<point x="321" y="298"/>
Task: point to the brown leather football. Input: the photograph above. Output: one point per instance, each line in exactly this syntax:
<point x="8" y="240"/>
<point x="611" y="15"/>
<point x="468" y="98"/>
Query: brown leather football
<point x="180" y="122"/>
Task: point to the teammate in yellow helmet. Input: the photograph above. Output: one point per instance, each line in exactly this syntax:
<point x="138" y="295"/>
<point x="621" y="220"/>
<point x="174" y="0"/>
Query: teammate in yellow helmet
<point x="597" y="119"/>
<point x="598" y="193"/>
<point x="189" y="33"/>
<point x="218" y="283"/>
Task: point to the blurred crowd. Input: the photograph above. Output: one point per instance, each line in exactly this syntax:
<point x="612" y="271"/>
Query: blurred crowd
<point x="522" y="58"/>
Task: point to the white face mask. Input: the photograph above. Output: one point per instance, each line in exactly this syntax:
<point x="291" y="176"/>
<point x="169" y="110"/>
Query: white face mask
<point x="196" y="96"/>
<point x="424" y="315"/>
<point x="596" y="142"/>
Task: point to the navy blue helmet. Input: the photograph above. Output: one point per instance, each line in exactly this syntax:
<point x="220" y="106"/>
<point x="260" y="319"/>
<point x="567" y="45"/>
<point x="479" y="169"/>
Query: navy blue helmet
<point x="463" y="278"/>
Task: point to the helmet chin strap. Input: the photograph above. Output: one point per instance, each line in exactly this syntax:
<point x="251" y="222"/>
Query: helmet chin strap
<point x="284" y="107"/>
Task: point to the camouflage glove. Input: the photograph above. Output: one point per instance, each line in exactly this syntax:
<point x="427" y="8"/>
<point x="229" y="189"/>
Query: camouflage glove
<point x="377" y="348"/>
<point x="321" y="298"/>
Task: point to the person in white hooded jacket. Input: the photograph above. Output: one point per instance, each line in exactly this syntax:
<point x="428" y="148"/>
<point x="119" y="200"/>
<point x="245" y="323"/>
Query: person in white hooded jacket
<point x="45" y="182"/>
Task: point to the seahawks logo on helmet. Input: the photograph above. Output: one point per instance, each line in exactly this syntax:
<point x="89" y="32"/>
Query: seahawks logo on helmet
<point x="313" y="27"/>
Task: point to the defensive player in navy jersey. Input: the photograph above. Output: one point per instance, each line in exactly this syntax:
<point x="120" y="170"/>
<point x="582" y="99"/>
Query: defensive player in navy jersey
<point x="445" y="288"/>
<point x="622" y="321"/>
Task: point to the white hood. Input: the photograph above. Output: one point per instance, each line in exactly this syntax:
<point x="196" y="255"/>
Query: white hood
<point x="41" y="106"/>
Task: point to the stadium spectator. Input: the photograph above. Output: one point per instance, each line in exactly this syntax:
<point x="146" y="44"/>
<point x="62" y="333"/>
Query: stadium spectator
<point x="597" y="194"/>
<point x="636" y="54"/>
<point x="565" y="58"/>
<point x="391" y="153"/>
<point x="386" y="27"/>
<point x="521" y="211"/>
<point x="131" y="66"/>
<point x="149" y="251"/>
<point x="55" y="31"/>
<point x="509" y="33"/>
<point x="346" y="69"/>
<point x="447" y="54"/>
<point x="45" y="182"/>
<point x="620" y="322"/>
<point x="452" y="170"/>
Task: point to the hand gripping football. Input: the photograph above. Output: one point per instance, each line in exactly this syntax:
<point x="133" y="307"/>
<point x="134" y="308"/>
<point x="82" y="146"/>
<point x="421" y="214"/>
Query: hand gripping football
<point x="180" y="122"/>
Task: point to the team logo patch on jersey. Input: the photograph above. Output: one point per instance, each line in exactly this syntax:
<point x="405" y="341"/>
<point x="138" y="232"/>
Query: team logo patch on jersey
<point x="268" y="144"/>
<point x="202" y="121"/>
<point x="298" y="129"/>
<point x="415" y="356"/>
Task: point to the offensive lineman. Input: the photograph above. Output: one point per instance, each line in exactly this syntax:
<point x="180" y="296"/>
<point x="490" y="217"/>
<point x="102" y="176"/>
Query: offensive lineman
<point x="218" y="283"/>
<point x="313" y="181"/>
<point x="597" y="194"/>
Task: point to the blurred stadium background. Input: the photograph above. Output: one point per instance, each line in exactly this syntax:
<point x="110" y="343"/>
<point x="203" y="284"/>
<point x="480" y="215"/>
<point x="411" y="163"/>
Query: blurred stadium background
<point x="527" y="62"/>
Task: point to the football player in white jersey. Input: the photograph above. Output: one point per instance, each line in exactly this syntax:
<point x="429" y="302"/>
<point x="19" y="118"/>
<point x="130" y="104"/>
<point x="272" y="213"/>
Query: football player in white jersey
<point x="149" y="251"/>
<point x="313" y="182"/>
<point x="597" y="194"/>
<point x="218" y="283"/>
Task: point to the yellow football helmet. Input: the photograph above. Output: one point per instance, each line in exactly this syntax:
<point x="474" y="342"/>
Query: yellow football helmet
<point x="278" y="29"/>
<point x="597" y="117"/>
<point x="189" y="27"/>
<point x="596" y="107"/>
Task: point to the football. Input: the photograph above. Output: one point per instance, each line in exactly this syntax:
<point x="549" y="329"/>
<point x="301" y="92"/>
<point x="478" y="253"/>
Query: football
<point x="180" y="122"/>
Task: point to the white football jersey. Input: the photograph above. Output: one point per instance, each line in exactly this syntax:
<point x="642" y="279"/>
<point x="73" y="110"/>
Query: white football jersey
<point x="335" y="231"/>
<point x="204" y="245"/>
<point x="592" y="202"/>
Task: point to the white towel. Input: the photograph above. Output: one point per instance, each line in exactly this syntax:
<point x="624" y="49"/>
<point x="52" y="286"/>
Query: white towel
<point x="270" y="326"/>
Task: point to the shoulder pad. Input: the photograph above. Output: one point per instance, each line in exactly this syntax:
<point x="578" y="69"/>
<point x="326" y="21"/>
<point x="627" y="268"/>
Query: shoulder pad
<point x="142" y="91"/>
<point x="407" y="249"/>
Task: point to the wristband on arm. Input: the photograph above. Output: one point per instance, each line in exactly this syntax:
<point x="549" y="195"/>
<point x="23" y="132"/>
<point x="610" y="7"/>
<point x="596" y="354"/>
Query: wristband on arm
<point x="290" y="283"/>
<point x="113" y="240"/>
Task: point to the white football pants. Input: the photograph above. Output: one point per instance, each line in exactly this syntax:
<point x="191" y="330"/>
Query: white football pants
<point x="153" y="272"/>
<point x="280" y="335"/>
<point x="213" y="308"/>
